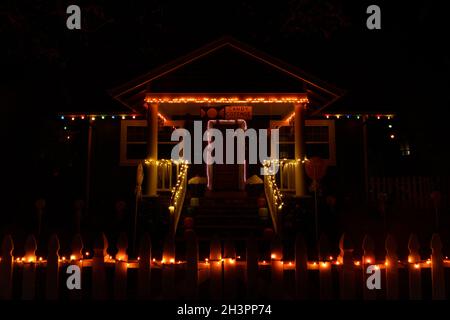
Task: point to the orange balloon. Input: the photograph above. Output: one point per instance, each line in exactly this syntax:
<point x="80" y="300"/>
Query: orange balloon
<point x="316" y="168"/>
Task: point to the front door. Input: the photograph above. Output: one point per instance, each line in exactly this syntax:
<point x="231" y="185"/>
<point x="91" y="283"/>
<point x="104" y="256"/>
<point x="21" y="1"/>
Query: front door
<point x="226" y="176"/>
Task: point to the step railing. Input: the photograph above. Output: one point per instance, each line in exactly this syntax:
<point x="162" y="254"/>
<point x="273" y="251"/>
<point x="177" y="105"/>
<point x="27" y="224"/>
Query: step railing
<point x="178" y="195"/>
<point x="273" y="195"/>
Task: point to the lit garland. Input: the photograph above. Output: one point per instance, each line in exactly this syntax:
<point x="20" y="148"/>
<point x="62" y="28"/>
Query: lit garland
<point x="276" y="192"/>
<point x="310" y="264"/>
<point x="182" y="176"/>
<point x="176" y="191"/>
<point x="287" y="265"/>
<point x="269" y="163"/>
<point x="277" y="195"/>
<point x="162" y="162"/>
<point x="227" y="100"/>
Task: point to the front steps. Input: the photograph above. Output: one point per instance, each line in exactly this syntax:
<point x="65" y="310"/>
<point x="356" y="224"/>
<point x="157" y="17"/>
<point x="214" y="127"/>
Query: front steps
<point x="230" y="215"/>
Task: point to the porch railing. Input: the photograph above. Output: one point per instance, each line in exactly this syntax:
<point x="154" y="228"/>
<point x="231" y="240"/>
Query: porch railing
<point x="168" y="171"/>
<point x="286" y="175"/>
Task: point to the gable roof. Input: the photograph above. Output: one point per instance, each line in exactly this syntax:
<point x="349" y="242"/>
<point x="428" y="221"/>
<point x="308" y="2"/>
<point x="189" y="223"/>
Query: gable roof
<point x="236" y="68"/>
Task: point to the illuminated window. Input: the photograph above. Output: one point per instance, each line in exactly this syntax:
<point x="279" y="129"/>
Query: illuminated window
<point x="405" y="150"/>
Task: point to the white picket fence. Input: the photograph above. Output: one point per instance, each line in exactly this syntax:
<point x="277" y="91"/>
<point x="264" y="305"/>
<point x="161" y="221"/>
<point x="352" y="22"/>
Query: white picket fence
<point x="222" y="275"/>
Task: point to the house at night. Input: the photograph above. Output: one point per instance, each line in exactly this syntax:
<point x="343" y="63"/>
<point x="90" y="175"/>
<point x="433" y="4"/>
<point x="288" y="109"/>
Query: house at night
<point x="225" y="85"/>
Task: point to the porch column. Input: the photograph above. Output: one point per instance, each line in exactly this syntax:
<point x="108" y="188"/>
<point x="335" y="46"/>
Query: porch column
<point x="299" y="118"/>
<point x="152" y="149"/>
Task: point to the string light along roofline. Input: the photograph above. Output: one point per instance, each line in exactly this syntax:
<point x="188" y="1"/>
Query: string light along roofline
<point x="122" y="116"/>
<point x="227" y="99"/>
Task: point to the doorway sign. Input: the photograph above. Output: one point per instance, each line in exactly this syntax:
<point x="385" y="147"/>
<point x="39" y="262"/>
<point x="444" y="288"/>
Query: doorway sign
<point x="238" y="112"/>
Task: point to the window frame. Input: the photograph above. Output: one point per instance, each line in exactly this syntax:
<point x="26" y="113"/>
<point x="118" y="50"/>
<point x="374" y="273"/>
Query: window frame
<point x="124" y="124"/>
<point x="331" y="161"/>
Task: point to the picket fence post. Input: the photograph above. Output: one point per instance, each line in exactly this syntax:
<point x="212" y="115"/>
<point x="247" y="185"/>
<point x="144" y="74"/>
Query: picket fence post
<point x="252" y="268"/>
<point x="121" y="268"/>
<point x="99" y="285"/>
<point x="192" y="257"/>
<point x="229" y="270"/>
<point x="367" y="260"/>
<point x="277" y="272"/>
<point x="76" y="248"/>
<point x="29" y="269"/>
<point x="215" y="272"/>
<point x="324" y="269"/>
<point x="168" y="268"/>
<point x="391" y="267"/>
<point x="144" y="272"/>
<point x="52" y="271"/>
<point x="415" y="280"/>
<point x="347" y="272"/>
<point x="437" y="268"/>
<point x="6" y="268"/>
<point x="301" y="268"/>
<point x="76" y="258"/>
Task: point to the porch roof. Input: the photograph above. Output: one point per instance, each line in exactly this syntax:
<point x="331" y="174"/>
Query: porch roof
<point x="227" y="71"/>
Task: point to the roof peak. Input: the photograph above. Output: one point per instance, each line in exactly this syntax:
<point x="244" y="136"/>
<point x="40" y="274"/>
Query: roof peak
<point x="315" y="86"/>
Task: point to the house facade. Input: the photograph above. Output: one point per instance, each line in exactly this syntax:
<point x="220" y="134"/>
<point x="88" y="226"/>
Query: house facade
<point x="225" y="85"/>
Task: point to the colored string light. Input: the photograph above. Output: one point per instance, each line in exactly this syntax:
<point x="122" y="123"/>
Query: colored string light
<point x="289" y="118"/>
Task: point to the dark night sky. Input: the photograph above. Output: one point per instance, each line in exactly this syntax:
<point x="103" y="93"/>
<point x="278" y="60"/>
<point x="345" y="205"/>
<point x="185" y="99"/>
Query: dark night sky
<point x="46" y="68"/>
<point x="403" y="65"/>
